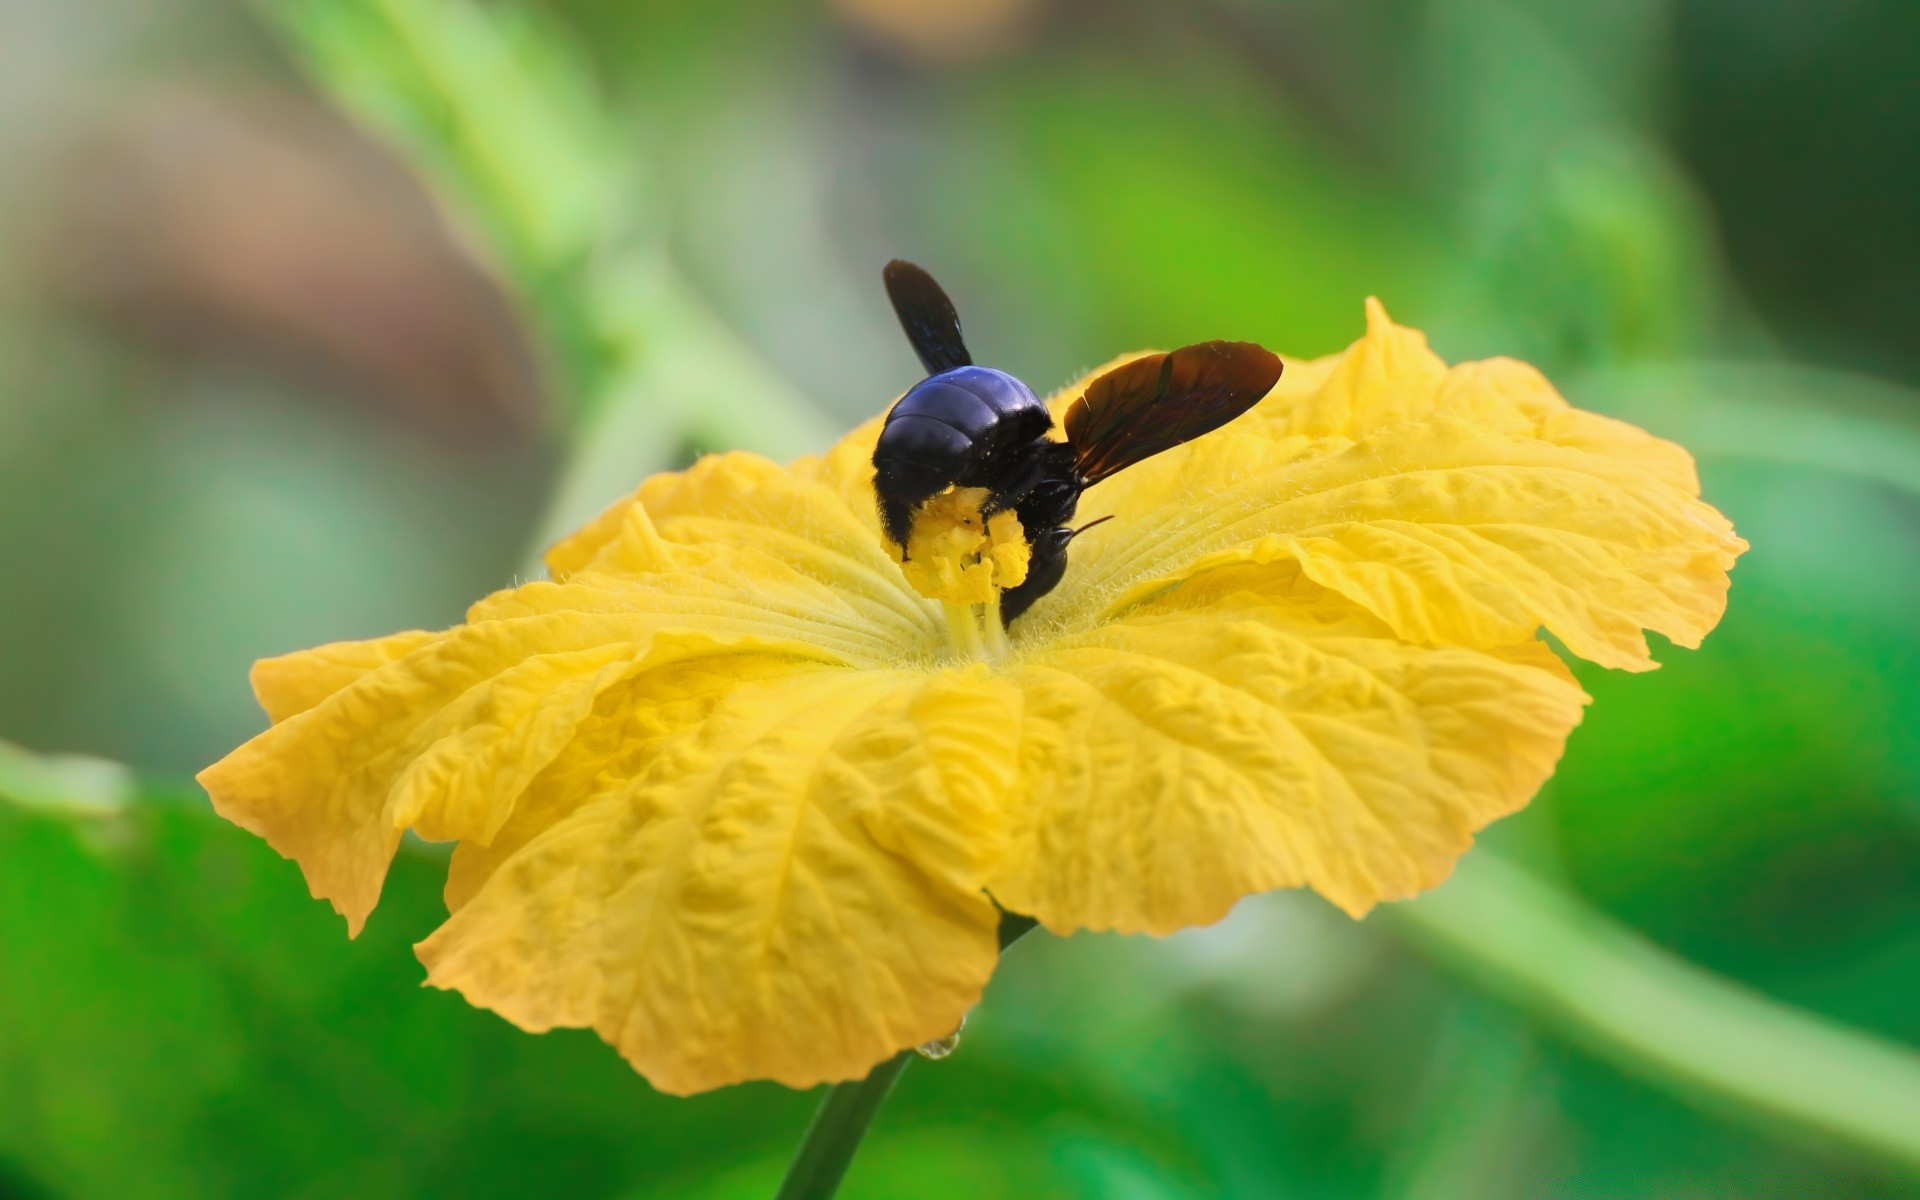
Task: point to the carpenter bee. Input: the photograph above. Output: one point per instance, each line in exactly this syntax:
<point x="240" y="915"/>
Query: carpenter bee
<point x="972" y="426"/>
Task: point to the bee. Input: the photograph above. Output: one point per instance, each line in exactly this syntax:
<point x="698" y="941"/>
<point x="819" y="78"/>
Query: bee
<point x="971" y="426"/>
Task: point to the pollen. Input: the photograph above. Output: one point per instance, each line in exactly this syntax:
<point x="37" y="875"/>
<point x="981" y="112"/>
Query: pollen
<point x="957" y="556"/>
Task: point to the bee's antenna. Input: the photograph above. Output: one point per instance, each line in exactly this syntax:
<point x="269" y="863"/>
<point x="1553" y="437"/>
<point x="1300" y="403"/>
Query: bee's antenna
<point x="1089" y="525"/>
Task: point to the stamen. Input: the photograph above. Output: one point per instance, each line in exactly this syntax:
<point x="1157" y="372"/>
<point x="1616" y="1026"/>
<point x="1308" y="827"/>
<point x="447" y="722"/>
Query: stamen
<point x="963" y="630"/>
<point x="996" y="630"/>
<point x="964" y="559"/>
<point x="956" y="555"/>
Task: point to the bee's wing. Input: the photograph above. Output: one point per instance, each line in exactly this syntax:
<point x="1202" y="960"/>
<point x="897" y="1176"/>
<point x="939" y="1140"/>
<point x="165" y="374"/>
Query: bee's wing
<point x="932" y="324"/>
<point x="1135" y="411"/>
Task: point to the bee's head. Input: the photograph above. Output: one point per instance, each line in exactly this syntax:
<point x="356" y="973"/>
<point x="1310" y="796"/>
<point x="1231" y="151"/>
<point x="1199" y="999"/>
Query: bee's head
<point x="1057" y="538"/>
<point x="1050" y="539"/>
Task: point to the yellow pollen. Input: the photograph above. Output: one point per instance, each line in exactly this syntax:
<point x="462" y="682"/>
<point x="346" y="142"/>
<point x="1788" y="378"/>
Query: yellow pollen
<point x="958" y="557"/>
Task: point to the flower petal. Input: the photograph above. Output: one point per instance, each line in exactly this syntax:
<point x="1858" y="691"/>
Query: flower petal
<point x="793" y="543"/>
<point x="1387" y="377"/>
<point x="1390" y="376"/>
<point x="1252" y="731"/>
<point x="790" y="891"/>
<point x="444" y="740"/>
<point x="611" y="747"/>
<point x="293" y="683"/>
<point x="443" y="733"/>
<point x="1516" y="398"/>
<point x="1464" y="507"/>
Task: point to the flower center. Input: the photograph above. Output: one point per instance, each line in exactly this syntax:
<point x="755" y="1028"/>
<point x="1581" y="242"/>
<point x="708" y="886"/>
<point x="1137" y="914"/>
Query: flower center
<point x="956" y="556"/>
<point x="963" y="559"/>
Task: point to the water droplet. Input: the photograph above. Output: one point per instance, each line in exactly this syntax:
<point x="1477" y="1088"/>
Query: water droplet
<point x="939" y="1048"/>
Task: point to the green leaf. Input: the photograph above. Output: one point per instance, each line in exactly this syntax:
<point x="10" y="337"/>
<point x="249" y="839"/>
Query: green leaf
<point x="178" y="1018"/>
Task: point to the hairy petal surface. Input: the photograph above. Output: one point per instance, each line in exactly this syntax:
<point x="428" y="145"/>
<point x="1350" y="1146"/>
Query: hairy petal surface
<point x="1250" y="731"/>
<point x="790" y="891"/>
<point x="1466" y="507"/>
<point x="735" y="560"/>
<point x="788" y="541"/>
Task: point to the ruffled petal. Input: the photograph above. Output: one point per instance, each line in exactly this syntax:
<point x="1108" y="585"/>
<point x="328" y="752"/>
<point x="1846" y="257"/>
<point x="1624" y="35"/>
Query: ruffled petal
<point x="1469" y="507"/>
<point x="1390" y="376"/>
<point x="293" y="683"/>
<point x="733" y="560"/>
<point x="1387" y="377"/>
<point x="789" y="890"/>
<point x="792" y="543"/>
<point x="1514" y="397"/>
<point x="444" y="740"/>
<point x="1251" y="731"/>
<point x="610" y="749"/>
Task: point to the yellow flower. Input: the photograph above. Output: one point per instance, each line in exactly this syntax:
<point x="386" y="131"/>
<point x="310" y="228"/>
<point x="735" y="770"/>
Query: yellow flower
<point x="725" y="791"/>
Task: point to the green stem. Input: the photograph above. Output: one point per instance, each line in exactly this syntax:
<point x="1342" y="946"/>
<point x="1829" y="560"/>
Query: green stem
<point x="832" y="1138"/>
<point x="828" y="1147"/>
<point x="1699" y="1034"/>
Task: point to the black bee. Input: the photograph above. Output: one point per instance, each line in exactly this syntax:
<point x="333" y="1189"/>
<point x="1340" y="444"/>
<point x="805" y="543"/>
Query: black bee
<point x="971" y="426"/>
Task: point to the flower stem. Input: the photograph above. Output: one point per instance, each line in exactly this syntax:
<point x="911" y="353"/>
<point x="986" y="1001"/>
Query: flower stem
<point x="827" y="1148"/>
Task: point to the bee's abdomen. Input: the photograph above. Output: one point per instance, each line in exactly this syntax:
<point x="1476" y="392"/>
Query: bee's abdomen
<point x="948" y="424"/>
<point x="990" y="407"/>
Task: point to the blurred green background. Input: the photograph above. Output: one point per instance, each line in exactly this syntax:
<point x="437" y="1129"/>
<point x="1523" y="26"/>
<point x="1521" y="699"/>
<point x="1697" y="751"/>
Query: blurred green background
<point x="317" y="318"/>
